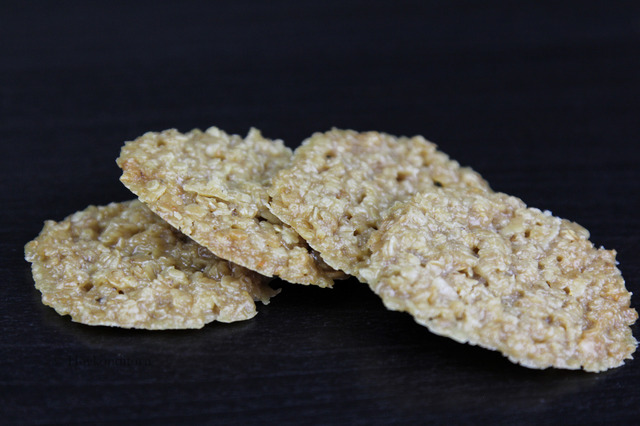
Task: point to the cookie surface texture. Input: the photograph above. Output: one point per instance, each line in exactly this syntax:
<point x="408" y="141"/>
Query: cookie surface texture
<point x="121" y="265"/>
<point x="212" y="186"/>
<point x="341" y="182"/>
<point x="485" y="269"/>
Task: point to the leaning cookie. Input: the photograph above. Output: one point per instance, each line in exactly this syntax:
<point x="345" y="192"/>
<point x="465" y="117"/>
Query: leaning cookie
<point x="212" y="186"/>
<point x="121" y="265"/>
<point x="341" y="182"/>
<point x="483" y="268"/>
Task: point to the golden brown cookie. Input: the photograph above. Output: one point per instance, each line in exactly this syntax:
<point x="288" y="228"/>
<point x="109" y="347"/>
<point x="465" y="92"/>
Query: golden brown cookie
<point x="121" y="265"/>
<point x="341" y="182"/>
<point x="483" y="268"/>
<point x="212" y="186"/>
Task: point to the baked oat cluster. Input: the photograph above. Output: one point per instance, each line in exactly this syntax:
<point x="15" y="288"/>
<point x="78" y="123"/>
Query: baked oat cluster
<point x="428" y="236"/>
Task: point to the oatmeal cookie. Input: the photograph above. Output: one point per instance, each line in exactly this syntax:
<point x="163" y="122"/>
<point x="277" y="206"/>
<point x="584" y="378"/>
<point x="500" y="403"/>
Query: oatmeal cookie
<point x="341" y="182"/>
<point x="212" y="186"/>
<point x="483" y="268"/>
<point x="121" y="265"/>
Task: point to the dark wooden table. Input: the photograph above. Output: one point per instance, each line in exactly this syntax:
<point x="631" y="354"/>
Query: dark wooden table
<point x="543" y="100"/>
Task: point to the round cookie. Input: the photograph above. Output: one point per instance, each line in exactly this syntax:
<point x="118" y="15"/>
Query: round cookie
<point x="341" y="182"/>
<point x="212" y="186"/>
<point x="483" y="268"/>
<point x="121" y="265"/>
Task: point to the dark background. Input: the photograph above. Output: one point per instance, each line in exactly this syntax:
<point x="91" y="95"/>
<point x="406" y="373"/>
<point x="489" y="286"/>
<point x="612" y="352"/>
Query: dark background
<point x="543" y="100"/>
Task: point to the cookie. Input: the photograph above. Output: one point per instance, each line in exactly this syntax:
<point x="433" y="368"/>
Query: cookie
<point x="212" y="186"/>
<point x="121" y="265"/>
<point x="483" y="268"/>
<point x="341" y="182"/>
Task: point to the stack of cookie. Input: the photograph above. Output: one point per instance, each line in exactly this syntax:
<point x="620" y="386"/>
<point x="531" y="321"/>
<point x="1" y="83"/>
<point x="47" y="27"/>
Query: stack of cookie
<point x="429" y="237"/>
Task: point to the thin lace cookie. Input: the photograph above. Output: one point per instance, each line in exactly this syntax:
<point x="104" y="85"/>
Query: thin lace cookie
<point x="212" y="186"/>
<point x="341" y="182"/>
<point x="483" y="268"/>
<point x="121" y="265"/>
